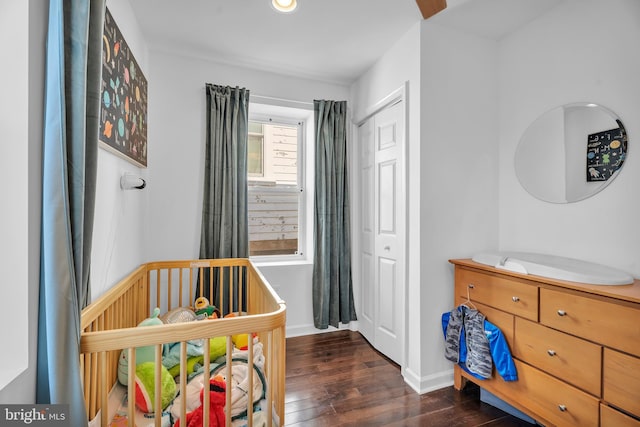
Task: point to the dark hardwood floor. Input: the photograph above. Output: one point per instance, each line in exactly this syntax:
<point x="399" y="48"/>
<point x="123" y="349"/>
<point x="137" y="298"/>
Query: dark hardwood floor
<point x="338" y="379"/>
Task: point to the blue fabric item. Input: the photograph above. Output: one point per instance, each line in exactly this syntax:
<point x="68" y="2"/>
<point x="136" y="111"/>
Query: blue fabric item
<point x="225" y="226"/>
<point x="224" y="231"/>
<point x="69" y="165"/>
<point x="500" y="352"/>
<point x="470" y="323"/>
<point x="171" y="352"/>
<point x="332" y="286"/>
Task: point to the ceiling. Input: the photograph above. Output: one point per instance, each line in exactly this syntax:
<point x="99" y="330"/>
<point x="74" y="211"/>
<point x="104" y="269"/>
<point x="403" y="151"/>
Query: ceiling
<point x="492" y="18"/>
<point x="328" y="40"/>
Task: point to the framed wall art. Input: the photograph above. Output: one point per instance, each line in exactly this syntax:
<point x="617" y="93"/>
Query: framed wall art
<point x="123" y="98"/>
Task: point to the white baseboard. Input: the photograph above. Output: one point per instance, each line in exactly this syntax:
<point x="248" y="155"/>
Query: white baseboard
<point x="310" y="329"/>
<point x="428" y="383"/>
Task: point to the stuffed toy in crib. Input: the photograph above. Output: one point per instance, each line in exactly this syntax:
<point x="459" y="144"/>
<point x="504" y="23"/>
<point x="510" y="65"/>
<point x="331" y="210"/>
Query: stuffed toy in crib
<point x="217" y="391"/>
<point x="145" y="387"/>
<point x="143" y="354"/>
<point x="203" y="308"/>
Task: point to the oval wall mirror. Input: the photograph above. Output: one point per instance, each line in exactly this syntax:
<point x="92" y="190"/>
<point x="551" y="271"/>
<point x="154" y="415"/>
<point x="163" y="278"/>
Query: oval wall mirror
<point x="571" y="152"/>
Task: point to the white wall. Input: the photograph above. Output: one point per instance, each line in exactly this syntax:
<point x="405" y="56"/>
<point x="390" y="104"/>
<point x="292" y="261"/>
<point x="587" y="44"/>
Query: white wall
<point x="458" y="174"/>
<point x="14" y="173"/>
<point x="176" y="161"/>
<point x="120" y="223"/>
<point x="24" y="23"/>
<point x="583" y="51"/>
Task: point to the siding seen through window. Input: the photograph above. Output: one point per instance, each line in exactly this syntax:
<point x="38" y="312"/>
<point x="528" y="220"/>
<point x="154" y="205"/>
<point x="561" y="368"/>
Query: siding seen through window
<point x="275" y="189"/>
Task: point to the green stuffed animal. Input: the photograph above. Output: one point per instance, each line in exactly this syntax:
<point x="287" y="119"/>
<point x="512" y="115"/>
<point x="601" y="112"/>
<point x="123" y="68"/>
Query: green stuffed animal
<point x="145" y="387"/>
<point x="143" y="354"/>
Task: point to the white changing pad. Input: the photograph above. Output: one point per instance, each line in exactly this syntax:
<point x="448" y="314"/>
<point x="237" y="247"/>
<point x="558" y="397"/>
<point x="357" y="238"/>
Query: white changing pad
<point x="555" y="267"/>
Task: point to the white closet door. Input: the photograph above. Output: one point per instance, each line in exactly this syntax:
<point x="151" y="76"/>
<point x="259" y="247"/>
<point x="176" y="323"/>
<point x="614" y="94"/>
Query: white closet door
<point x="366" y="320"/>
<point x="382" y="233"/>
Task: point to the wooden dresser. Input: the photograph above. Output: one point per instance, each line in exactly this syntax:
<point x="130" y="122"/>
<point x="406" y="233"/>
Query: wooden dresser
<point x="576" y="346"/>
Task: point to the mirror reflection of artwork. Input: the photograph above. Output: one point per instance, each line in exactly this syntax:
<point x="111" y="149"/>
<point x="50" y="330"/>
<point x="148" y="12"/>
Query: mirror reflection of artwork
<point x="561" y="155"/>
<point x="123" y="98"/>
<point x="606" y="152"/>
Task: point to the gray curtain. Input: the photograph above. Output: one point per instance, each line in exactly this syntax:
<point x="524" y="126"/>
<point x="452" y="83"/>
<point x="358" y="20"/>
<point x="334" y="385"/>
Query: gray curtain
<point x="72" y="90"/>
<point x="332" y="285"/>
<point x="225" y="229"/>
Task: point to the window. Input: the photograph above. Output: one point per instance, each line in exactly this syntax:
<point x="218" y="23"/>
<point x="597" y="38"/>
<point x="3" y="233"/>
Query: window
<point x="276" y="166"/>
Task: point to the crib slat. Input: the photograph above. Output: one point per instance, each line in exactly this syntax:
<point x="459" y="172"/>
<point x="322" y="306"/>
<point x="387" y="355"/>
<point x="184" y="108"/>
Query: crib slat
<point x="269" y="375"/>
<point x="169" y="289"/>
<point x="230" y="287"/>
<point x="250" y="385"/>
<point x="95" y="386"/>
<point x="191" y="286"/>
<point x="229" y="376"/>
<point x="131" y="384"/>
<point x="104" y="391"/>
<point x="183" y="382"/>
<point x="281" y="357"/>
<point x="180" y="287"/>
<point x="211" y="280"/>
<point x="86" y="375"/>
<point x="221" y="285"/>
<point x="243" y="277"/>
<point x="158" y="289"/>
<point x="206" y="401"/>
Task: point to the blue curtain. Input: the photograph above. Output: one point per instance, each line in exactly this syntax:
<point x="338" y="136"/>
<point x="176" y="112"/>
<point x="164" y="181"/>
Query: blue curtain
<point x="72" y="90"/>
<point x="225" y="227"/>
<point x="332" y="285"/>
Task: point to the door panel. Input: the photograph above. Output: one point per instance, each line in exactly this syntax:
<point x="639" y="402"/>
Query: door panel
<point x="367" y="224"/>
<point x="389" y="236"/>
<point x="387" y="206"/>
<point x="386" y="319"/>
<point x="382" y="230"/>
<point x="368" y="298"/>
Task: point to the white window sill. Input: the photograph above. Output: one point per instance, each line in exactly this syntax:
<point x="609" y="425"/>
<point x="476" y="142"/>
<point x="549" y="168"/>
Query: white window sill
<point x="279" y="262"/>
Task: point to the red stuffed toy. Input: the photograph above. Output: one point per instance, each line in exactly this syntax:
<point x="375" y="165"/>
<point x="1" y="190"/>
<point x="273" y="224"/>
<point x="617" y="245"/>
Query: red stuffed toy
<point x="217" y="400"/>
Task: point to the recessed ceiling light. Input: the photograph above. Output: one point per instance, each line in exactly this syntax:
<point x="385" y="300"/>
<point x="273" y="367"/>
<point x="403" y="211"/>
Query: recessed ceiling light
<point x="284" y="6"/>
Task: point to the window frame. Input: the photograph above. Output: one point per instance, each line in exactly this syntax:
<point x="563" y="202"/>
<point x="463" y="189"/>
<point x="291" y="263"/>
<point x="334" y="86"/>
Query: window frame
<point x="303" y="119"/>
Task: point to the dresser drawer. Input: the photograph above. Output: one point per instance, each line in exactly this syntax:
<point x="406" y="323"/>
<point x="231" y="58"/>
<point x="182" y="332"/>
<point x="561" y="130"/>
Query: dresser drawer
<point x="621" y="381"/>
<point x="514" y="296"/>
<point x="564" y="356"/>
<point x="610" y="417"/>
<point x="504" y="321"/>
<point x="608" y="323"/>
<point x="553" y="400"/>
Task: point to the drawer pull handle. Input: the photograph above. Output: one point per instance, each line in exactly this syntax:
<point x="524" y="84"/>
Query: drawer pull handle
<point x="562" y="408"/>
<point x="515" y="299"/>
<point x="471" y="286"/>
<point x="551" y="352"/>
<point x="562" y="313"/>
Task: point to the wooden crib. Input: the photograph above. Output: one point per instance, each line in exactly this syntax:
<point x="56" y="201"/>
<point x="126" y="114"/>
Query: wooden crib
<point x="109" y="326"/>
